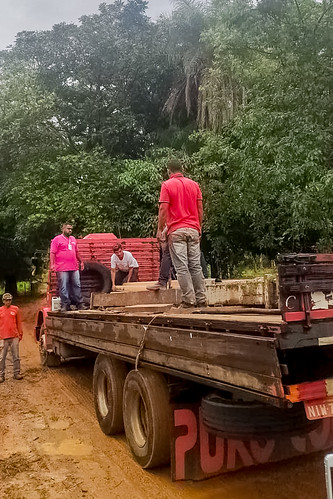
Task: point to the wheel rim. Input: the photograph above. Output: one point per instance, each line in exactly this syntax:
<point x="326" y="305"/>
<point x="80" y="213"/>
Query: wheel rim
<point x="139" y="421"/>
<point x="103" y="390"/>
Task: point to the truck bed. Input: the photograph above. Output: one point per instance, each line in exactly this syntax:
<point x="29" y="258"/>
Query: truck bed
<point x="242" y="353"/>
<point x="220" y="351"/>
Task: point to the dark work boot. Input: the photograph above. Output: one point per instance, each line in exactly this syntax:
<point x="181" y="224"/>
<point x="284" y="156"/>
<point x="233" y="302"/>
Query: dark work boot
<point x="82" y="306"/>
<point x="158" y="286"/>
<point x="18" y="376"/>
<point x="2" y="379"/>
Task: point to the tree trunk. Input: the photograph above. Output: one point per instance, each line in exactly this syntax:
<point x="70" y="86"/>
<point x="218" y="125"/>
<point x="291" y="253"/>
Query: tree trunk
<point x="11" y="285"/>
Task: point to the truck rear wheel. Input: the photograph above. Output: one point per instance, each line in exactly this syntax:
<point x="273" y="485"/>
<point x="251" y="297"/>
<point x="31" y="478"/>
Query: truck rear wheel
<point x="48" y="359"/>
<point x="147" y="417"/>
<point x="108" y="383"/>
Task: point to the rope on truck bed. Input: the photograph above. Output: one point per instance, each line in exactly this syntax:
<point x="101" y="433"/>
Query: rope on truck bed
<point x="143" y="339"/>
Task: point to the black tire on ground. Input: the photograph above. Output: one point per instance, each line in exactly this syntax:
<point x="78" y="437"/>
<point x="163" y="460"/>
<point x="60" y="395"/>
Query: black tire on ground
<point x="237" y="419"/>
<point x="147" y="417"/>
<point x="48" y="359"/>
<point x="108" y="383"/>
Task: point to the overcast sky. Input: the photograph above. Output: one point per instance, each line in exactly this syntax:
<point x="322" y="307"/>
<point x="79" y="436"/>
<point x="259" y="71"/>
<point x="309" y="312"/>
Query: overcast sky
<point x="32" y="15"/>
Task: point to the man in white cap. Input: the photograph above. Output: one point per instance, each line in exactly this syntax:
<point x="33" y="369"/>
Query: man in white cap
<point x="10" y="335"/>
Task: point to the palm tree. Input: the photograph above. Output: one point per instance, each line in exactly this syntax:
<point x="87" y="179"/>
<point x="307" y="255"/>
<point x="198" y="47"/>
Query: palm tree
<point x="186" y="52"/>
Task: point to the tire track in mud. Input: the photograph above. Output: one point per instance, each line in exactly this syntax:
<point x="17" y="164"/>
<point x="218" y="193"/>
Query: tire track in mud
<point x="76" y="387"/>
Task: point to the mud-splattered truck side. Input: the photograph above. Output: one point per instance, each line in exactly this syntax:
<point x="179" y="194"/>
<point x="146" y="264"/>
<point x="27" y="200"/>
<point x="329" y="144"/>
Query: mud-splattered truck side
<point x="218" y="388"/>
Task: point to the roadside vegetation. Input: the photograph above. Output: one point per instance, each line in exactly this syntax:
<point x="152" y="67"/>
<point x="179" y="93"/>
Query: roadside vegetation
<point x="240" y="90"/>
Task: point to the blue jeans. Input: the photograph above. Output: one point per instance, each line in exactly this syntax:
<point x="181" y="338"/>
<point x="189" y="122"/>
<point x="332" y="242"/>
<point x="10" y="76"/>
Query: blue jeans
<point x="69" y="288"/>
<point x="184" y="245"/>
<point x="13" y="345"/>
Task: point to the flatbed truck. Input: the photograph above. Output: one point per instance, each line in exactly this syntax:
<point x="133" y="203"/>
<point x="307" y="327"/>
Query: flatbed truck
<point x="218" y="388"/>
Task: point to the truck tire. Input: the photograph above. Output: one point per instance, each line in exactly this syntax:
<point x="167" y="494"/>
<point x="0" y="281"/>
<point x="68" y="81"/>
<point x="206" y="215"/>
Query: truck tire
<point x="48" y="359"/>
<point x="95" y="278"/>
<point x="147" y="417"/>
<point x="237" y="419"/>
<point x="108" y="384"/>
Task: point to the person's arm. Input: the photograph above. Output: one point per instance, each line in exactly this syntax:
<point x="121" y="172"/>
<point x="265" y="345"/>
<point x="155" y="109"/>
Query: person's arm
<point x="163" y="210"/>
<point x="113" y="279"/>
<point x="19" y="324"/>
<point x="79" y="259"/>
<point x="113" y="272"/>
<point x="132" y="264"/>
<point x="53" y="252"/>
<point x="162" y="218"/>
<point x="200" y="211"/>
<point x="52" y="261"/>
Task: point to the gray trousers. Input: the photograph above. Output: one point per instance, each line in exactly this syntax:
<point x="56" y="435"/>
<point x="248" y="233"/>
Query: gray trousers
<point x="11" y="344"/>
<point x="184" y="245"/>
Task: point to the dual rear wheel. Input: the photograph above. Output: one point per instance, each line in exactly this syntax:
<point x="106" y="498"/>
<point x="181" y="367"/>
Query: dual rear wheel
<point x="137" y="401"/>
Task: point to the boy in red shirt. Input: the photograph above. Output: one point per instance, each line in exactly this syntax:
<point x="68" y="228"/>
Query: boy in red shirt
<point x="10" y="335"/>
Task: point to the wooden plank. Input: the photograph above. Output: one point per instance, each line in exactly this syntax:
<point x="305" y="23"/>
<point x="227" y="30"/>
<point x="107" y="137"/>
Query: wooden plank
<point x="260" y="383"/>
<point x="248" y="353"/>
<point x="262" y="324"/>
<point x="122" y="299"/>
<point x="150" y="308"/>
<point x="307" y="286"/>
<point x="242" y="318"/>
<point x="237" y="309"/>
<point x="310" y="271"/>
<point x="142" y="285"/>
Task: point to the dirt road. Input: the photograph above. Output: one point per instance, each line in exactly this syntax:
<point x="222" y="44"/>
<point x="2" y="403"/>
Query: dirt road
<point x="52" y="447"/>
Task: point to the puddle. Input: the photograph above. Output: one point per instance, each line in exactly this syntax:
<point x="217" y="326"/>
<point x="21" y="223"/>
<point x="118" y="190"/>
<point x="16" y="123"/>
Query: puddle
<point x="67" y="448"/>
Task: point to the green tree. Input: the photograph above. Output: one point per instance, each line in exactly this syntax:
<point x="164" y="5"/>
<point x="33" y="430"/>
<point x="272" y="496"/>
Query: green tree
<point x="189" y="57"/>
<point x="93" y="191"/>
<point x="109" y="74"/>
<point x="27" y="132"/>
<point x="266" y="174"/>
<point x="27" y="126"/>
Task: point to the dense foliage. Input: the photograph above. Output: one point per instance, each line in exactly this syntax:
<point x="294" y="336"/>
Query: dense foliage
<point x="240" y="89"/>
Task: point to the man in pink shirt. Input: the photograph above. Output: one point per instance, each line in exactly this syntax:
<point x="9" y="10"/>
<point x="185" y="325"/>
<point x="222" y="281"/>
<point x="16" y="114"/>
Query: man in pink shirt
<point x="181" y="210"/>
<point x="65" y="260"/>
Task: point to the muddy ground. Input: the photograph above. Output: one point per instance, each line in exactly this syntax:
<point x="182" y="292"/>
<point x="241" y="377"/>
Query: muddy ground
<point x="51" y="446"/>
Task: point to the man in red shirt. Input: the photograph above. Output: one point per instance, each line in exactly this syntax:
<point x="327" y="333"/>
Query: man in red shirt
<point x="181" y="210"/>
<point x="10" y="335"/>
<point x="65" y="260"/>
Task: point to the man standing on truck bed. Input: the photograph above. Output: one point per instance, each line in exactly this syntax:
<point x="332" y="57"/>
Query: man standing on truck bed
<point x="10" y="335"/>
<point x="124" y="267"/>
<point x="65" y="260"/>
<point x="181" y="210"/>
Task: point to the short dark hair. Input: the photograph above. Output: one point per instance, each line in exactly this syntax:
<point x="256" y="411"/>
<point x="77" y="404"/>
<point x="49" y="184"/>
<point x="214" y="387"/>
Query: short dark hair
<point x="117" y="247"/>
<point x="174" y="165"/>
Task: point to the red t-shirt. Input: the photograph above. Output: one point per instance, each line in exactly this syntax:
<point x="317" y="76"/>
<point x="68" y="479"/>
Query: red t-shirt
<point x="10" y="322"/>
<point x="182" y="195"/>
<point x="65" y="250"/>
